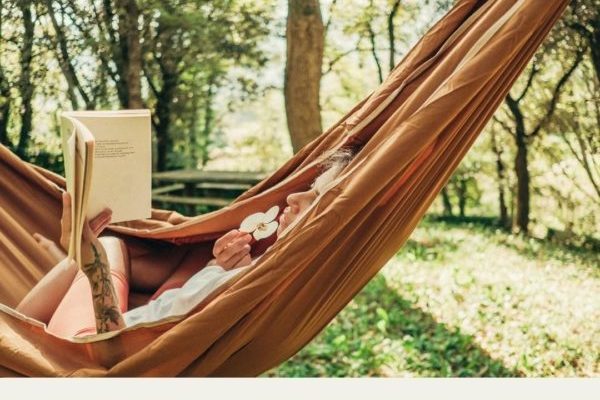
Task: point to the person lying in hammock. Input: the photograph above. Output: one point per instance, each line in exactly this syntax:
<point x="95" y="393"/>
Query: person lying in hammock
<point x="58" y="298"/>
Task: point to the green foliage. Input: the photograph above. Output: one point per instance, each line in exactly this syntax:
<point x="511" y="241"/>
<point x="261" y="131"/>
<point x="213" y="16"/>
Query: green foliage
<point x="225" y="60"/>
<point x="194" y="51"/>
<point x="466" y="300"/>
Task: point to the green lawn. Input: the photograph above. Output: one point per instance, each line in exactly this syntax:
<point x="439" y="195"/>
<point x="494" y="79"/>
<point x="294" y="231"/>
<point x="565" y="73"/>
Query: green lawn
<point x="466" y="300"/>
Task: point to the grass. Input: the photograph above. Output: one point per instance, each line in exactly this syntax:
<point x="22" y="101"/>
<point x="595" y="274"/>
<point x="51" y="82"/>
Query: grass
<point x="466" y="300"/>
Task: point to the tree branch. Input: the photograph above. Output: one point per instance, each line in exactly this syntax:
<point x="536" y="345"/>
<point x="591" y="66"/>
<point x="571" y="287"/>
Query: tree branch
<point x="372" y="38"/>
<point x="329" y="19"/>
<point x="557" y="161"/>
<point x="557" y="92"/>
<point x="65" y="58"/>
<point x="151" y="84"/>
<point x="391" y="36"/>
<point x="534" y="71"/>
<point x="504" y="125"/>
<point x="337" y="58"/>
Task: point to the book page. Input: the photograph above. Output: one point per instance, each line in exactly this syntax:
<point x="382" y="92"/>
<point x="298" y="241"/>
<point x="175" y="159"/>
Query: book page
<point x="78" y="148"/>
<point x="69" y="137"/>
<point x="122" y="174"/>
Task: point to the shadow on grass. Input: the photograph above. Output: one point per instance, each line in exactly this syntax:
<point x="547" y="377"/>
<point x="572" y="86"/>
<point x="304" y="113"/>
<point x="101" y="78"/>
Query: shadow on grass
<point x="381" y="333"/>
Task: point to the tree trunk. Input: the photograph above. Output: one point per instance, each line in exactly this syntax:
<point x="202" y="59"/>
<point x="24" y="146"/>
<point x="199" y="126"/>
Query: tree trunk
<point x="208" y="121"/>
<point x="4" y="97"/>
<point x="131" y="52"/>
<point x="305" y="43"/>
<point x="372" y="40"/>
<point x="522" y="172"/>
<point x="164" y="101"/>
<point x="501" y="174"/>
<point x="462" y="196"/>
<point x="4" y="115"/>
<point x="391" y="35"/>
<point x="521" y="167"/>
<point x="594" y="40"/>
<point x="4" y="107"/>
<point x="446" y="202"/>
<point x="522" y="138"/>
<point x="64" y="60"/>
<point x="125" y="49"/>
<point x="192" y="157"/>
<point x="163" y="114"/>
<point x="25" y="84"/>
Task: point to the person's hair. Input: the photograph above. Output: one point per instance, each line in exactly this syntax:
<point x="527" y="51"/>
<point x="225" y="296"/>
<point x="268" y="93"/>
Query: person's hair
<point x="332" y="166"/>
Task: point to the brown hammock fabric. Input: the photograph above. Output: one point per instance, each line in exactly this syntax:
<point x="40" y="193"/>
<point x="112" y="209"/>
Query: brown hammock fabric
<point x="409" y="134"/>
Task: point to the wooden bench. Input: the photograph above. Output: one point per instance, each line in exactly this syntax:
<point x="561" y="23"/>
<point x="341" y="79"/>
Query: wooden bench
<point x="193" y="188"/>
<point x="198" y="201"/>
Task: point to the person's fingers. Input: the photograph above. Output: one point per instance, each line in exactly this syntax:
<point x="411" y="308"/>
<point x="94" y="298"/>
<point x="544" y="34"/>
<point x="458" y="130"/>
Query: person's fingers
<point x="222" y="242"/>
<point x="101" y="221"/>
<point x="237" y="257"/>
<point x="246" y="260"/>
<point x="233" y="248"/>
<point x="231" y="255"/>
<point x="87" y="233"/>
<point x="100" y="228"/>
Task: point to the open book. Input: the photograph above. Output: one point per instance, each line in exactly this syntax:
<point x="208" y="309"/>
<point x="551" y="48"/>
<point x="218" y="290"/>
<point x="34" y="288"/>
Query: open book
<point x="108" y="163"/>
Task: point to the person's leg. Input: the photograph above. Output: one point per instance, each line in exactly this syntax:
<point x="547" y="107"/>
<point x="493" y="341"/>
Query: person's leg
<point x="117" y="254"/>
<point x="74" y="315"/>
<point x="152" y="268"/>
<point x="43" y="299"/>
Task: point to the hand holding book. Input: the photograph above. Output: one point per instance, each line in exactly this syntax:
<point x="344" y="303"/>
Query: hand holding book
<point x="92" y="228"/>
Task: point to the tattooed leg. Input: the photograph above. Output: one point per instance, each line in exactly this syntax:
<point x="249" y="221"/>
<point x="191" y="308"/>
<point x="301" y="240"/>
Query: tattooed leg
<point x="106" y="306"/>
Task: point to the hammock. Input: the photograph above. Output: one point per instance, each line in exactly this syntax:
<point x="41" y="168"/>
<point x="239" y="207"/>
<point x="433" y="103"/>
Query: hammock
<point x="409" y="134"/>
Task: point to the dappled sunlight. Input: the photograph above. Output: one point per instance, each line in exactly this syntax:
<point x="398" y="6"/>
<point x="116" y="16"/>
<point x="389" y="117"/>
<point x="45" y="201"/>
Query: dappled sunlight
<point x="466" y="301"/>
<point x="530" y="312"/>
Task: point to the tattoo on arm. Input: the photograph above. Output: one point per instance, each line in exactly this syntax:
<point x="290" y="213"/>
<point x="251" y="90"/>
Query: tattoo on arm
<point x="106" y="307"/>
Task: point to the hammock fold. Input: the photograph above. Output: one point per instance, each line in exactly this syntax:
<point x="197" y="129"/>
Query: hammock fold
<point x="409" y="135"/>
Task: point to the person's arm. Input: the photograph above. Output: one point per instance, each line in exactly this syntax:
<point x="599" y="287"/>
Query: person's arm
<point x="96" y="268"/>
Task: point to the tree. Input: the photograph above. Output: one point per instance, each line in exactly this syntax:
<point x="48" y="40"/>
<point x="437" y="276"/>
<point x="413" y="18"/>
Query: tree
<point x="5" y="84"/>
<point x="188" y="51"/>
<point x="446" y="202"/>
<point x="60" y="41"/>
<point x="305" y="44"/>
<point x="129" y="53"/>
<point x="523" y="136"/>
<point x="583" y="17"/>
<point x="26" y="86"/>
<point x="577" y="123"/>
<point x="505" y="220"/>
<point x="463" y="184"/>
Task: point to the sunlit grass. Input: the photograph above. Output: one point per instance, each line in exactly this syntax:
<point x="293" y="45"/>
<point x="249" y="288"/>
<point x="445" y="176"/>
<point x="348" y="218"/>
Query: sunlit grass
<point x="466" y="300"/>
